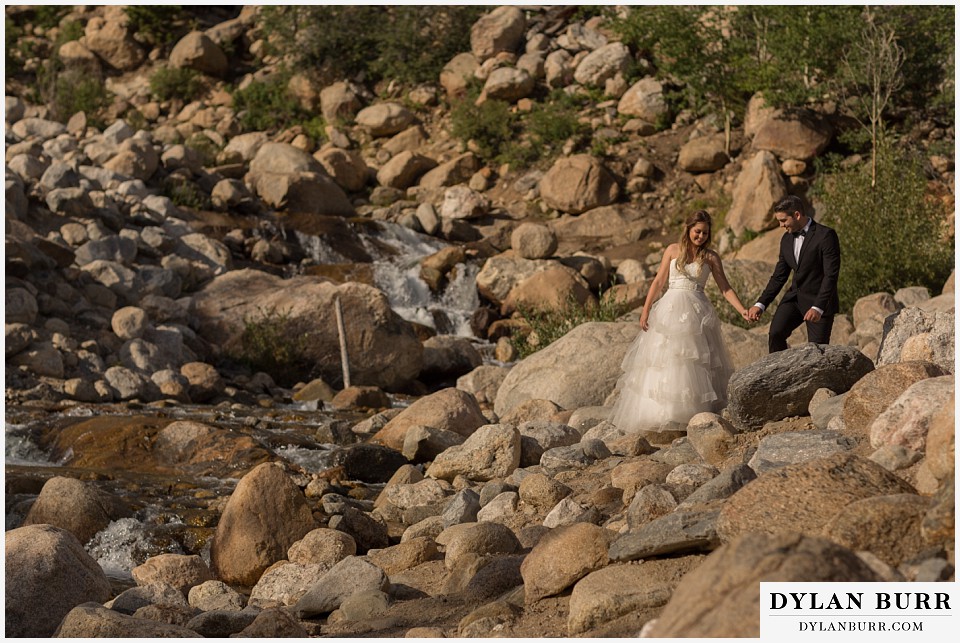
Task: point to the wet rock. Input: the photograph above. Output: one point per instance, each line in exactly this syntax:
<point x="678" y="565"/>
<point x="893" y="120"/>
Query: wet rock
<point x="449" y="356"/>
<point x="75" y="506"/>
<point x="246" y="541"/>
<point x="369" y="462"/>
<point x="46" y="565"/>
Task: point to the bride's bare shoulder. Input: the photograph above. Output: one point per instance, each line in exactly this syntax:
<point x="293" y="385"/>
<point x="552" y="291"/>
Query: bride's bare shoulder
<point x="672" y="251"/>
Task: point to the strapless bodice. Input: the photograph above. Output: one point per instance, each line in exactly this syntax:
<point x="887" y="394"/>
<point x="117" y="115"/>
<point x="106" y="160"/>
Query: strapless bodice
<point x="695" y="279"/>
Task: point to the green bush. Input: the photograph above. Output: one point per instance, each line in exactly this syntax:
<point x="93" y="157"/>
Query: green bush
<point x="268" y="104"/>
<point x="73" y="90"/>
<point x="892" y="235"/>
<point x="186" y="194"/>
<point x="168" y="83"/>
<point x="490" y="126"/>
<point x="272" y="343"/>
<point x="547" y="326"/>
<point x="406" y="43"/>
<point x="158" y="23"/>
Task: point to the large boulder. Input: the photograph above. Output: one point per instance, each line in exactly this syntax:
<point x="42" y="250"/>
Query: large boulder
<point x="579" y="369"/>
<point x="578" y="183"/>
<point x="562" y="557"/>
<point x="385" y="119"/>
<point x="249" y="539"/>
<point x="507" y="84"/>
<point x="449" y="409"/>
<point x="906" y="422"/>
<point x="703" y="154"/>
<point x="804" y="497"/>
<point x="383" y="349"/>
<point x="499" y="275"/>
<point x="932" y="329"/>
<point x="644" y="100"/>
<point x="303" y="193"/>
<point x="47" y="573"/>
<point x="75" y="506"/>
<point x="492" y="451"/>
<point x="89" y="621"/>
<point x="721" y="597"/>
<point x="877" y="390"/>
<point x="550" y="289"/>
<point x="456" y="74"/>
<point x="197" y="51"/>
<point x="757" y="188"/>
<point x="500" y="30"/>
<point x="404" y="169"/>
<point x="177" y="570"/>
<point x="801" y="135"/>
<point x="602" y="64"/>
<point x="111" y="40"/>
<point x="782" y="384"/>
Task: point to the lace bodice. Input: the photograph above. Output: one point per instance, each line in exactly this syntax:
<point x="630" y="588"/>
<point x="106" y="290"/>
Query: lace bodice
<point x="695" y="279"/>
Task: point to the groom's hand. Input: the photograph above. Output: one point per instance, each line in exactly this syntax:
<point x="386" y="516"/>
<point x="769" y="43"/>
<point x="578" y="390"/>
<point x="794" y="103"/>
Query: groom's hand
<point x="812" y="316"/>
<point x="754" y="313"/>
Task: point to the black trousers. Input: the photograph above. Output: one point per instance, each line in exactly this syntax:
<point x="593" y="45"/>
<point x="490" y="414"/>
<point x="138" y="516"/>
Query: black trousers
<point x="788" y="317"/>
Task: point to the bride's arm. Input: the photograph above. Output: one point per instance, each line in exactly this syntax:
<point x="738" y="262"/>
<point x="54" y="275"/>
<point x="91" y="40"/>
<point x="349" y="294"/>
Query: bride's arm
<point x="716" y="267"/>
<point x="656" y="287"/>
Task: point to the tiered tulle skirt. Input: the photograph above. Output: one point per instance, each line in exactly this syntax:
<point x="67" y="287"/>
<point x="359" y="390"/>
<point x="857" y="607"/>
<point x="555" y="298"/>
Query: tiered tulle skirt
<point x="676" y="369"/>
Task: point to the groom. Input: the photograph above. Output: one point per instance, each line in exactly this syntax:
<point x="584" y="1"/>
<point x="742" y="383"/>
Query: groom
<point x="812" y="252"/>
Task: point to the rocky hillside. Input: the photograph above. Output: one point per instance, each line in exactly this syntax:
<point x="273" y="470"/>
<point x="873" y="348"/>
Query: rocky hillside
<point x="162" y="249"/>
<point x="137" y="250"/>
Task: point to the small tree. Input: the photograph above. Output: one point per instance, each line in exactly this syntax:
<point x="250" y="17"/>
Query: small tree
<point x="872" y="65"/>
<point x="892" y="234"/>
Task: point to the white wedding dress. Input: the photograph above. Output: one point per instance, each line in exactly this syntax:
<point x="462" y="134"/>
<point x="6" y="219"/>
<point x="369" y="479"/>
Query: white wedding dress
<point x="679" y="367"/>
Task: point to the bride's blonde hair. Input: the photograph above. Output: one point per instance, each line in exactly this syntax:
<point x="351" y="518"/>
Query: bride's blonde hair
<point x="700" y="216"/>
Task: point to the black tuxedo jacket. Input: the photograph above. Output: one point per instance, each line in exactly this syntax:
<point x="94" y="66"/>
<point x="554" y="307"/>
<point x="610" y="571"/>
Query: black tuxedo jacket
<point x="815" y="278"/>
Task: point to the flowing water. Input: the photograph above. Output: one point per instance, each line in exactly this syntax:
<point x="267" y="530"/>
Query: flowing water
<point x="178" y="513"/>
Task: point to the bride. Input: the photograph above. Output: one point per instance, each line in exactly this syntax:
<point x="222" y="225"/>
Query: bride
<point x="678" y="366"/>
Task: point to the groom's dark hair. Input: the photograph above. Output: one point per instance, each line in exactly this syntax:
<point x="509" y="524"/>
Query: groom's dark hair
<point x="789" y="204"/>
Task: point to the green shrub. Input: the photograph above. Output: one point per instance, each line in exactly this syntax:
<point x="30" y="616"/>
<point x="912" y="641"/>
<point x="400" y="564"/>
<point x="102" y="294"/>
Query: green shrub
<point x="168" y="83"/>
<point x="547" y="326"/>
<point x="406" y="43"/>
<point x="158" y="23"/>
<point x="892" y="235"/>
<point x="490" y="126"/>
<point x="272" y="343"/>
<point x="186" y="194"/>
<point x="74" y="90"/>
<point x="268" y="104"/>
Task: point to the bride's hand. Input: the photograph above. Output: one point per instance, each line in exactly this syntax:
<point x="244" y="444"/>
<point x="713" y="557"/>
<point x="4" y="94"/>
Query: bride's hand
<point x="643" y="322"/>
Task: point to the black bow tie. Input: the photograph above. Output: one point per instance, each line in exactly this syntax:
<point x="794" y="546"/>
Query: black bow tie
<point x="802" y="233"/>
